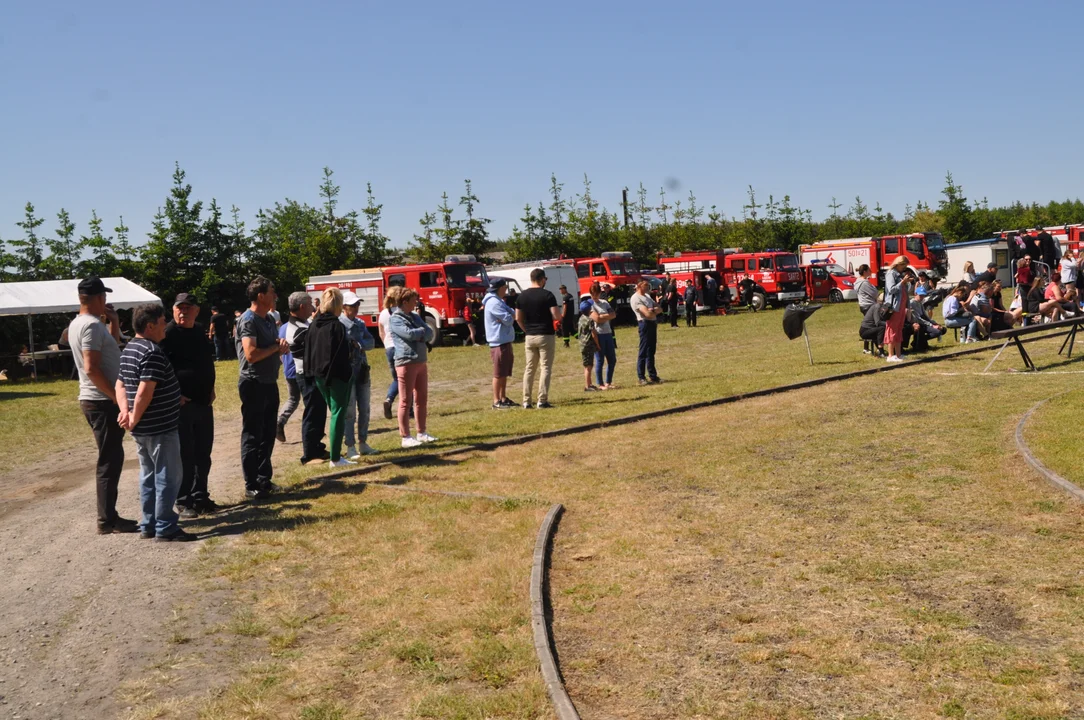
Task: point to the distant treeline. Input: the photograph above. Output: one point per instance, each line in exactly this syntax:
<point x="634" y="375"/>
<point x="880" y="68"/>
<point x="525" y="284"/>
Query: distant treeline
<point x="193" y="247"/>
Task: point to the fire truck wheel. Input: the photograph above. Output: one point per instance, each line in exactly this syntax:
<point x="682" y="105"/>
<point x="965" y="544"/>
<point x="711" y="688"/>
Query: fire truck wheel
<point x="835" y="296"/>
<point x="760" y="301"/>
<point x="437" y="339"/>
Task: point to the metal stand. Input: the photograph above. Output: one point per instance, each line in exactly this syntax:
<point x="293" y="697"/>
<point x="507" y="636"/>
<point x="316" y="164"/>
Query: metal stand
<point x="33" y="358"/>
<point x="808" y="349"/>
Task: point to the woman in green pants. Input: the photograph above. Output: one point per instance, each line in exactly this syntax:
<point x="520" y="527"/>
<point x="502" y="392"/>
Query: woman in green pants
<point x="328" y="351"/>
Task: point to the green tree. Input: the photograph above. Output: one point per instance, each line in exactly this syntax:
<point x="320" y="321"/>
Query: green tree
<point x="374" y="246"/>
<point x="955" y="211"/>
<point x="28" y="257"/>
<point x="65" y="249"/>
<point x="102" y="262"/>
<point x="473" y="235"/>
<point x="172" y="255"/>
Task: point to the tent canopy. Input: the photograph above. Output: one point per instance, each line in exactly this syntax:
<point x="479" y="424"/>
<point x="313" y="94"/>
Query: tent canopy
<point x="62" y="296"/>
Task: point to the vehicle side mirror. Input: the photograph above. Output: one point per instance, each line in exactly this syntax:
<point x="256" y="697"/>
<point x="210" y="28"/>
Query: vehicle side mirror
<point x="440" y="282"/>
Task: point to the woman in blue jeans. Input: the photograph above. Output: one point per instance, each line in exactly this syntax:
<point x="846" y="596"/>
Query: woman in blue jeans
<point x="391" y="301"/>
<point x="607" y="347"/>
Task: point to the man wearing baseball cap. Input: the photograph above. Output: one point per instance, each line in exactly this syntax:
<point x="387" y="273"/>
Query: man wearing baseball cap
<point x="500" y="332"/>
<point x="96" y="352"/>
<point x="192" y="356"/>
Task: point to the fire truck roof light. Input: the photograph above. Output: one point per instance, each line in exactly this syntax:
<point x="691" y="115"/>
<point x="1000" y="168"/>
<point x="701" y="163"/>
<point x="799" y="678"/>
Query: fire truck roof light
<point x="624" y="254"/>
<point x="460" y="258"/>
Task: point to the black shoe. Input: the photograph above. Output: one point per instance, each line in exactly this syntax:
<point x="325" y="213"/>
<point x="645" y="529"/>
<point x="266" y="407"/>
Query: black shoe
<point x="544" y="406"/>
<point x="270" y="487"/>
<point x="146" y="534"/>
<point x="499" y="406"/>
<point x="508" y="403"/>
<point x="187" y="512"/>
<point x="280" y="433"/>
<point x="590" y="388"/>
<point x="179" y="536"/>
<point x="655" y="380"/>
<point x="387" y="409"/>
<point x="257" y="494"/>
<point x="207" y="505"/>
<point x="643" y="382"/>
<point x="120" y="525"/>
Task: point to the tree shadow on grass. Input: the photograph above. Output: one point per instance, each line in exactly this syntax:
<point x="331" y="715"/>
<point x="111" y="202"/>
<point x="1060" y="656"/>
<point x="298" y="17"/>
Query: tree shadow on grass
<point x="21" y="394"/>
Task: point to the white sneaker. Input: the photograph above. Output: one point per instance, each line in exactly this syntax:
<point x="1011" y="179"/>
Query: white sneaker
<point x="341" y="462"/>
<point x="351" y="453"/>
<point x="409" y="442"/>
<point x="426" y="438"/>
<point x="366" y="450"/>
<point x="894" y="358"/>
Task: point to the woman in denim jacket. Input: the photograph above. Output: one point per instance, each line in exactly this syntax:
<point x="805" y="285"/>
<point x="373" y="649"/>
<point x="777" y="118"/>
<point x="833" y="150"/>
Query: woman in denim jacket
<point x="410" y="333"/>
<point x="896" y="299"/>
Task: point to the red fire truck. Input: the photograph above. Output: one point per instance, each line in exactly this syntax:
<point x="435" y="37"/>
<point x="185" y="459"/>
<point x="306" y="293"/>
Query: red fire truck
<point x="925" y="252"/>
<point x="444" y="288"/>
<point x="775" y="273"/>
<point x="696" y="267"/>
<point x="617" y="269"/>
<point x="828" y="281"/>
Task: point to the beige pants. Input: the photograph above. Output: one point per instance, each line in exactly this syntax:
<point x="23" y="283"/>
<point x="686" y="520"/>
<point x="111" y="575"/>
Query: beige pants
<point x="539" y="349"/>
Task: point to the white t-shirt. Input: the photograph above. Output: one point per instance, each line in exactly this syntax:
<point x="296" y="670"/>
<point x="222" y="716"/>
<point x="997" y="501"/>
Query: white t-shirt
<point x="385" y="322"/>
<point x="603" y="308"/>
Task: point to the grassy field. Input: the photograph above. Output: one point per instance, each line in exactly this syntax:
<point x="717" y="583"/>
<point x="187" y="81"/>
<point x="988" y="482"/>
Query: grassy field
<point x="723" y="355"/>
<point x="872" y="548"/>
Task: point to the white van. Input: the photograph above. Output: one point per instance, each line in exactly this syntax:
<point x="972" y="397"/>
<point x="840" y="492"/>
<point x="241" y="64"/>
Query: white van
<point x="518" y="276"/>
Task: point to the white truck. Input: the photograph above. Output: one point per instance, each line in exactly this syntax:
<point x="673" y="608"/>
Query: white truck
<point x="558" y="273"/>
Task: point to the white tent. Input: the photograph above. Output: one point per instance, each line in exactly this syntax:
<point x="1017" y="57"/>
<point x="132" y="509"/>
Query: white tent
<point x="62" y="296"/>
<point x="42" y="297"/>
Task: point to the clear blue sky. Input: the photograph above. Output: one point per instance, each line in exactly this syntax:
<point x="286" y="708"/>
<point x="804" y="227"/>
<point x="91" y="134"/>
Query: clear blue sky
<point x="97" y="101"/>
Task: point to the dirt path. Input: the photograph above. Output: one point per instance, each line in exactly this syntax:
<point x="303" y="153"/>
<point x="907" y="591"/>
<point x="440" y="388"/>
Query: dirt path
<point x="82" y="613"/>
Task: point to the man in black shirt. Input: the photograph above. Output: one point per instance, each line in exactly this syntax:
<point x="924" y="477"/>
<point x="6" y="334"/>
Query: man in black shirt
<point x="537" y="314"/>
<point x="569" y="315"/>
<point x="989" y="276"/>
<point x="1046" y="248"/>
<point x="219" y="332"/>
<point x="189" y="351"/>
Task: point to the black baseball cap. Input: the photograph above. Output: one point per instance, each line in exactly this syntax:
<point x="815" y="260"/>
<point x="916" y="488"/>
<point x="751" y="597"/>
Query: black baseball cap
<point x="497" y="283"/>
<point x="185" y="299"/>
<point x="93" y="286"/>
<point x="991" y="265"/>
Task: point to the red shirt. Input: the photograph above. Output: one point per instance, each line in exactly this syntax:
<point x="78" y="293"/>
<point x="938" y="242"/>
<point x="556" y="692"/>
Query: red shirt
<point x="1023" y="275"/>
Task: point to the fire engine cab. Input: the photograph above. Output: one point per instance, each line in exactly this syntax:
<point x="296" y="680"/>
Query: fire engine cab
<point x="776" y="277"/>
<point x="828" y="281"/>
<point x="617" y="269"/>
<point x="925" y="252"/>
<point x="444" y="288"/>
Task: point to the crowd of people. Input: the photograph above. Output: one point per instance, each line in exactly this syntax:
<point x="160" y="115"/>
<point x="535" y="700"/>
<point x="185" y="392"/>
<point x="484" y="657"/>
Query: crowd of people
<point x="899" y="319"/>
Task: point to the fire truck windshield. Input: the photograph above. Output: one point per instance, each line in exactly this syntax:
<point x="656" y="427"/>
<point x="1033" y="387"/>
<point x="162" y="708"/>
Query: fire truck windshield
<point x="836" y="270"/>
<point x="935" y="242"/>
<point x="623" y="267"/>
<point x="464" y="274"/>
<point x="786" y="262"/>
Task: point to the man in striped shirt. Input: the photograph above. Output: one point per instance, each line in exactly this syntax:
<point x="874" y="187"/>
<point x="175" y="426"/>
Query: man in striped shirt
<point x="150" y="407"/>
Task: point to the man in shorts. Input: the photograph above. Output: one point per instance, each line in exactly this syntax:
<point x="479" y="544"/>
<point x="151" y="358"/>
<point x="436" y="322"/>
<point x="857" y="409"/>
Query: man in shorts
<point x="588" y="337"/>
<point x="500" y="332"/>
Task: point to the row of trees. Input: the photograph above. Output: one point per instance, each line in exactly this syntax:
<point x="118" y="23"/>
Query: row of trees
<point x="198" y="248"/>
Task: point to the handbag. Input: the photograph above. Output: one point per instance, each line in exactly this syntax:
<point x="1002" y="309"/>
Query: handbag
<point x="886" y="312"/>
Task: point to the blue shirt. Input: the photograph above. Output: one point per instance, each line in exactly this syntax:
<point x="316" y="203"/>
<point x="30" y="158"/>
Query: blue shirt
<point x="289" y="371"/>
<point x="499" y="319"/>
<point x="362" y="341"/>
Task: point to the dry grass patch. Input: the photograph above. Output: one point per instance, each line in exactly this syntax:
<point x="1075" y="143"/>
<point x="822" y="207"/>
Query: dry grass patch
<point x="364" y="602"/>
<point x="870" y="549"/>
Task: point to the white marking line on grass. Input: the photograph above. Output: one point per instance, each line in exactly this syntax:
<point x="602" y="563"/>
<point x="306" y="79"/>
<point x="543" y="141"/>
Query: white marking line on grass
<point x="1015" y="373"/>
<point x="1052" y="477"/>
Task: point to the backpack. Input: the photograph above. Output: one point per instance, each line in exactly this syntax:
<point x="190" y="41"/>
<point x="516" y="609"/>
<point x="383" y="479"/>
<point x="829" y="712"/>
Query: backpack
<point x="583" y="331"/>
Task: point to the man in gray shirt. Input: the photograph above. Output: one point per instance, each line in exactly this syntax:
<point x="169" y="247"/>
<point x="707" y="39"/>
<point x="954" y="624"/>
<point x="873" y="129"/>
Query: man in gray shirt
<point x="97" y="358"/>
<point x="646" y="311"/>
<point x="258" y="351"/>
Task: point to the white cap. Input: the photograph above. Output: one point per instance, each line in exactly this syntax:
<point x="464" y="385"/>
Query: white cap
<point x="350" y="298"/>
